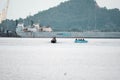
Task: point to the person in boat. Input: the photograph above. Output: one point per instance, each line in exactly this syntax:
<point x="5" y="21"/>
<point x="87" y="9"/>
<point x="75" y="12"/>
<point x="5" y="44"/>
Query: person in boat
<point x="81" y="39"/>
<point x="54" y="40"/>
<point x="76" y="39"/>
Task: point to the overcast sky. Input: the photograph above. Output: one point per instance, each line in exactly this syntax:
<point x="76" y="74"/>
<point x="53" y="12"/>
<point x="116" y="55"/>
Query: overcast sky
<point x="23" y="8"/>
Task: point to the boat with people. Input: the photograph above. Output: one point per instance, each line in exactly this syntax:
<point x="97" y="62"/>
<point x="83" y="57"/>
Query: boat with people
<point x="80" y="41"/>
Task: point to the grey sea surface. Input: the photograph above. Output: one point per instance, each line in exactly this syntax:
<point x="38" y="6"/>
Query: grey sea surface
<point x="38" y="59"/>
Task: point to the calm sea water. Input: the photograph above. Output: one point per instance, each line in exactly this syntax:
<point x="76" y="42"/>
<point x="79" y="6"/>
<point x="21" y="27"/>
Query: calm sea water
<point x="38" y="59"/>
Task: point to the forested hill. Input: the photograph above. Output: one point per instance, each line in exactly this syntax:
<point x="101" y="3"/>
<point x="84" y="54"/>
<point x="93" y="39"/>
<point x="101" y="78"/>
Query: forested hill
<point x="75" y="15"/>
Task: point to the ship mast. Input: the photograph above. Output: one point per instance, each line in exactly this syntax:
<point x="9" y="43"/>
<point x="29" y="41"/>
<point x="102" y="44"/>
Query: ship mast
<point x="3" y="14"/>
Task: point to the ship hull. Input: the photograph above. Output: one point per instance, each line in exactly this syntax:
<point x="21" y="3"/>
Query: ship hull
<point x="69" y="34"/>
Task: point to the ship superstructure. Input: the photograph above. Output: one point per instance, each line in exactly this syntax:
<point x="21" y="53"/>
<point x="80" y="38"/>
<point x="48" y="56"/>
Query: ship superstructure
<point x="33" y="28"/>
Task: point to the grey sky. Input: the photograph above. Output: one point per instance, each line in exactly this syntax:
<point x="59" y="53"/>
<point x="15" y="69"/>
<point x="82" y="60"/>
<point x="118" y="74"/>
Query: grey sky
<point x="109" y="3"/>
<point x="22" y="8"/>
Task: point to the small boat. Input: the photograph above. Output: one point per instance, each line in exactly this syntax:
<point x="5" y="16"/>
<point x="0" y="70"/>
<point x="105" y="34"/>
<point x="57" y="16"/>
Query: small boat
<point x="54" y="40"/>
<point x="80" y="41"/>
